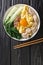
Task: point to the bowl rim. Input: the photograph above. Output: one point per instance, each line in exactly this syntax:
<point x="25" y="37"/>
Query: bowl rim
<point x="37" y="26"/>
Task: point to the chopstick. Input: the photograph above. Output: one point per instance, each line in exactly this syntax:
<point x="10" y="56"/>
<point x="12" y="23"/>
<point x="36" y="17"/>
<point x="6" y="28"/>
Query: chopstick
<point x="28" y="43"/>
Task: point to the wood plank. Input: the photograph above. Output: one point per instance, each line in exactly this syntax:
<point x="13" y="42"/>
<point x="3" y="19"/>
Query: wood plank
<point x="37" y="54"/>
<point x="19" y="56"/>
<point x="4" y="39"/>
<point x="36" y="50"/>
<point x="14" y="53"/>
<point x="32" y="55"/>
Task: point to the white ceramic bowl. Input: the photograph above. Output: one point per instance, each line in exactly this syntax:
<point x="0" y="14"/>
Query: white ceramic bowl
<point x="37" y="26"/>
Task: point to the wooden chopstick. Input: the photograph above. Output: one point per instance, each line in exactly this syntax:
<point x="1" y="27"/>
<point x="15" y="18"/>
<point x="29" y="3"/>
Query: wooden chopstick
<point x="28" y="43"/>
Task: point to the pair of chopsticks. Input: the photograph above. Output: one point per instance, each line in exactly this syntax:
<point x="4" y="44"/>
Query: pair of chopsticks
<point x="28" y="43"/>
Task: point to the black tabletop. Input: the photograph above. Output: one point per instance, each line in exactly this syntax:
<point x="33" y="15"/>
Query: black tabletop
<point x="30" y="55"/>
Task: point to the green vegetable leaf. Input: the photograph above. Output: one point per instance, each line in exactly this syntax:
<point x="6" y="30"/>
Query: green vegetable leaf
<point x="13" y="31"/>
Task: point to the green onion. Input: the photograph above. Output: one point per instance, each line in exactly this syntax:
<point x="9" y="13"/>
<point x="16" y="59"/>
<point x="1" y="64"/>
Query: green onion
<point x="12" y="18"/>
<point x="11" y="13"/>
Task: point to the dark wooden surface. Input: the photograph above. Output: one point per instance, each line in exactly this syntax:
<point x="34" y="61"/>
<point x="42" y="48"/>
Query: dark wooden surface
<point x="31" y="55"/>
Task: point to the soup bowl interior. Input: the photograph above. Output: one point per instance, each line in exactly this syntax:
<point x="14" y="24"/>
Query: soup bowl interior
<point x="38" y="26"/>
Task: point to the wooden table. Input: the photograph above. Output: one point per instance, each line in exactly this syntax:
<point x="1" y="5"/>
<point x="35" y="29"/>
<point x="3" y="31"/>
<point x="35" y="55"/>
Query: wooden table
<point x="30" y="55"/>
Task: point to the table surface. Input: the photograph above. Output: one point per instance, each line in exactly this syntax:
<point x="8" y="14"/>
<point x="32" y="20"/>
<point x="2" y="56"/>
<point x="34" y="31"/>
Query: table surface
<point x="30" y="55"/>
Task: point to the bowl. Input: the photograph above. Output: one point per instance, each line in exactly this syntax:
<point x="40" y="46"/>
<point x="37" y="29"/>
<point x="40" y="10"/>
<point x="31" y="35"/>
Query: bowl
<point x="38" y="26"/>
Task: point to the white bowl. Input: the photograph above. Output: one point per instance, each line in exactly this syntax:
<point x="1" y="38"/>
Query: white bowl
<point x="36" y="15"/>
